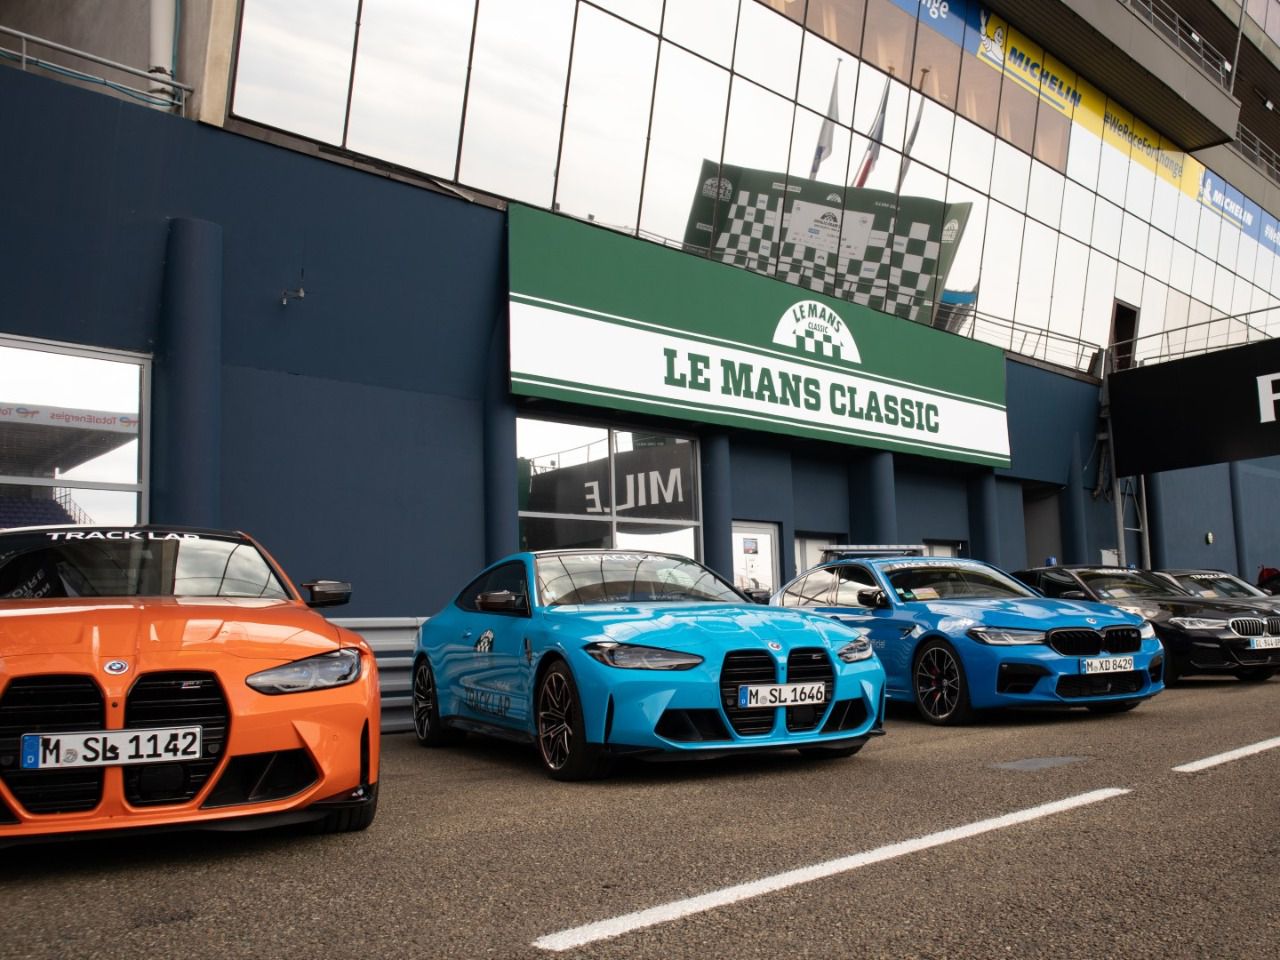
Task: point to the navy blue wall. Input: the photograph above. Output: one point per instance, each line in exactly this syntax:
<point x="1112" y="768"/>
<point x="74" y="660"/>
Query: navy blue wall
<point x="350" y="419"/>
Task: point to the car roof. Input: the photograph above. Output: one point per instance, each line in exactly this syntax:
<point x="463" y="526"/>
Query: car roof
<point x="1177" y="571"/>
<point x="141" y="527"/>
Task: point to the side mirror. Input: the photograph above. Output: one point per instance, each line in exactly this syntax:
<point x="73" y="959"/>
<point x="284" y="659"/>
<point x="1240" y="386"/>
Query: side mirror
<point x="1073" y="595"/>
<point x="874" y="598"/>
<point x="758" y="595"/>
<point x="502" y="601"/>
<point x="328" y="593"/>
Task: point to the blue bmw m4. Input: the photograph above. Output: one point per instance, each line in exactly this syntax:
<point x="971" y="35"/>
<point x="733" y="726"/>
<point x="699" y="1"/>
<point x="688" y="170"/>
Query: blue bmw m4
<point x="593" y="654"/>
<point x="960" y="635"/>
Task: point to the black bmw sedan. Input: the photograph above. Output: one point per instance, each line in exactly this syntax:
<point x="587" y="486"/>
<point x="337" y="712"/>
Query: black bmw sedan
<point x="1200" y="634"/>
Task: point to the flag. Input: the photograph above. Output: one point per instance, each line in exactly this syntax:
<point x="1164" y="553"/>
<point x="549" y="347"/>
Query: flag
<point x="877" y="134"/>
<point x="911" y="140"/>
<point x="825" y="135"/>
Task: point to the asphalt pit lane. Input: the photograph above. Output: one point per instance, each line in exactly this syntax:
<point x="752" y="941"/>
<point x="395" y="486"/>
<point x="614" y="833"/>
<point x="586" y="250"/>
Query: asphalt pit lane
<point x="1038" y="763"/>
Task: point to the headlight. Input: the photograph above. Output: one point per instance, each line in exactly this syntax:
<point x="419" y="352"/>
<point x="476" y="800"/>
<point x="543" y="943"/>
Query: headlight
<point x="1147" y="631"/>
<point x="1000" y="637"/>
<point x="630" y="656"/>
<point x="856" y="650"/>
<point x="1138" y="610"/>
<point x="335" y="669"/>
<point x="1197" y="623"/>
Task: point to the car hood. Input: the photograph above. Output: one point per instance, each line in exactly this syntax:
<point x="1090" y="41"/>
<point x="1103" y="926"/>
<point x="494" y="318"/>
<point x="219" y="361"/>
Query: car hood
<point x="129" y="629"/>
<point x="1040" y="613"/>
<point x="1165" y="607"/>
<point x="688" y="625"/>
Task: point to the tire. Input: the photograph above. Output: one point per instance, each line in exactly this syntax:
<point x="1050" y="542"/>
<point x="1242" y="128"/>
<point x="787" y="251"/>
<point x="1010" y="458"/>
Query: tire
<point x="829" y="753"/>
<point x="1255" y="674"/>
<point x="941" y="690"/>
<point x="350" y="819"/>
<point x="426" y="709"/>
<point x="1113" y="706"/>
<point x="560" y="731"/>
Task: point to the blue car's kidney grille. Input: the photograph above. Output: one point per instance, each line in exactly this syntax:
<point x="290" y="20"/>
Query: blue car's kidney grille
<point x="746" y="666"/>
<point x="809" y="665"/>
<point x="1076" y="643"/>
<point x="50" y="704"/>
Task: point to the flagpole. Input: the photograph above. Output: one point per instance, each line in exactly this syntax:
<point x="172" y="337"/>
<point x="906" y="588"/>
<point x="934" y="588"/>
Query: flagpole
<point x="915" y="128"/>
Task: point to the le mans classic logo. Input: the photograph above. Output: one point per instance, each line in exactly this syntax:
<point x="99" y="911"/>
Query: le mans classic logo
<point x="815" y="328"/>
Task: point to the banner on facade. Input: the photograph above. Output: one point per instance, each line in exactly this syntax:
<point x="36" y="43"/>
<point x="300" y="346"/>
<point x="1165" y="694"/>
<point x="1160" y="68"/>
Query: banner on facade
<point x="607" y="320"/>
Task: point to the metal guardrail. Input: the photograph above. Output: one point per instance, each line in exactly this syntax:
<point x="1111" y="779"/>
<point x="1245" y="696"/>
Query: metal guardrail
<point x="20" y="55"/>
<point x="393" y="640"/>
<point x="1169" y="24"/>
<point x="1202" y="337"/>
<point x="1253" y="150"/>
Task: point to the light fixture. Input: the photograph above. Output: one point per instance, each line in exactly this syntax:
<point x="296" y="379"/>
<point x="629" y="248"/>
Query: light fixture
<point x="1269" y="105"/>
<point x="287" y="295"/>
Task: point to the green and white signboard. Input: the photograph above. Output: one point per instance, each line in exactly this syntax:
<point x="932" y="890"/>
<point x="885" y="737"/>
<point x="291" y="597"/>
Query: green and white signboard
<point x="602" y="319"/>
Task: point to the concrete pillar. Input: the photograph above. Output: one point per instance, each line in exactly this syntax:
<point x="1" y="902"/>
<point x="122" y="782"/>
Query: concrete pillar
<point x="873" y="499"/>
<point x="1238" y="522"/>
<point x="501" y="469"/>
<point x="984" y="518"/>
<point x="1075" y="536"/>
<point x="186" y="436"/>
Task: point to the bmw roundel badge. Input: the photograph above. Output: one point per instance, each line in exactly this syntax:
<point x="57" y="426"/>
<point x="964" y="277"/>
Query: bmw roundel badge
<point x="117" y="667"/>
<point x="1092" y="621"/>
<point x="774" y="645"/>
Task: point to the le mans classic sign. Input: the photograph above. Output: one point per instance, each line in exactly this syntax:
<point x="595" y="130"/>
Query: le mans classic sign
<point x="602" y="319"/>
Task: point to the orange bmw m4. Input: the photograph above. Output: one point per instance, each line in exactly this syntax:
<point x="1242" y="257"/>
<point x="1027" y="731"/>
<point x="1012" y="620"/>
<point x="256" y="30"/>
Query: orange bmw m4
<point x="165" y="677"/>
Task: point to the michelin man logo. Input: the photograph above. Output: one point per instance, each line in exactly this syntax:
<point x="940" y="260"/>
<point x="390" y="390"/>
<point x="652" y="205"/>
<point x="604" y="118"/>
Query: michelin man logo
<point x="993" y="43"/>
<point x="816" y="328"/>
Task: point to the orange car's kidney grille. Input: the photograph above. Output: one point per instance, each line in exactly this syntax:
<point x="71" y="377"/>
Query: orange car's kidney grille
<point x="185" y="699"/>
<point x="50" y="704"/>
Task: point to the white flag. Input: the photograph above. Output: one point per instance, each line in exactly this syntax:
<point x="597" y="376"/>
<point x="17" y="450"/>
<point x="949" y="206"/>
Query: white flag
<point x="826" y="134"/>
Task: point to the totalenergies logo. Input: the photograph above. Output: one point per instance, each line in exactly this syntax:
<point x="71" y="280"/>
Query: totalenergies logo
<point x="26" y="412"/>
<point x="129" y="421"/>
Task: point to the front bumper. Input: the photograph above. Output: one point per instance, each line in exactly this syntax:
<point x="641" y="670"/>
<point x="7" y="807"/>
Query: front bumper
<point x="1040" y="676"/>
<point x="1221" y="651"/>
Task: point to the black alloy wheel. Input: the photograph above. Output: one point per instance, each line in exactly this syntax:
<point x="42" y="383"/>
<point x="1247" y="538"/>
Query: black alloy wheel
<point x="1255" y="674"/>
<point x="562" y="742"/>
<point x="942" y="693"/>
<point x="426" y="709"/>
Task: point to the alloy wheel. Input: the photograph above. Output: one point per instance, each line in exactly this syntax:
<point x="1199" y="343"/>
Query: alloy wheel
<point x="555" y="720"/>
<point x="938" y="682"/>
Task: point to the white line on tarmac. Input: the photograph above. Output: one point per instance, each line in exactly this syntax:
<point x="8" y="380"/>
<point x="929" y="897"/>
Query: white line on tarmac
<point x="606" y="929"/>
<point x="1228" y="756"/>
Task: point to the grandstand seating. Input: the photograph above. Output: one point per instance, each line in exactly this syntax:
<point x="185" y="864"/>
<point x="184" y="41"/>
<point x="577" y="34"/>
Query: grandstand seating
<point x="25" y="512"/>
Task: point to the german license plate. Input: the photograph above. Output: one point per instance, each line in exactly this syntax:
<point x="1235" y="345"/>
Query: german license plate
<point x="106" y="748"/>
<point x="1106" y="664"/>
<point x="1264" y="643"/>
<point x="781" y="694"/>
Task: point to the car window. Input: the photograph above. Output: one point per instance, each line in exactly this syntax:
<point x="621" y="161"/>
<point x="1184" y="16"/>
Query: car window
<point x="849" y="580"/>
<point x="950" y="581"/>
<point x="1210" y="585"/>
<point x="1054" y="583"/>
<point x="811" y="590"/>
<point x="600" y="577"/>
<point x="510" y="577"/>
<point x="1118" y="584"/>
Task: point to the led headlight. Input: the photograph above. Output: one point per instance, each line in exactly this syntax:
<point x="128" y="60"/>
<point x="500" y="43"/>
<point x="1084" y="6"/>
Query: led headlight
<point x="335" y="669"/>
<point x="631" y="656"/>
<point x="1001" y="637"/>
<point x="1139" y="610"/>
<point x="1197" y="623"/>
<point x="855" y="650"/>
<point x="1147" y="631"/>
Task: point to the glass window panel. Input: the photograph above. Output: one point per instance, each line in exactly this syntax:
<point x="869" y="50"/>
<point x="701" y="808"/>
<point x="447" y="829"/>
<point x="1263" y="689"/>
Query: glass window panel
<point x="654" y="476"/>
<point x="1246" y="256"/>
<point x="839" y="21"/>
<point x="1000" y="256"/>
<point x="682" y="541"/>
<point x="1175" y="310"/>
<point x="929" y="136"/>
<point x="978" y="95"/>
<point x="294" y="65"/>
<point x="1188" y="222"/>
<point x="1202" y="278"/>
<point x="966" y="265"/>
<point x="407" y="108"/>
<point x="606" y="120"/>
<point x="1133" y="241"/>
<point x="821" y="65"/>
<point x="1155" y="296"/>
<point x="1198" y="322"/>
<point x="1183" y="265"/>
<point x="1223" y="288"/>
<point x="1129" y="285"/>
<point x="563" y="468"/>
<point x="972" y="150"/>
<point x="1010" y="174"/>
<point x="1140" y="190"/>
<point x="1262" y="267"/>
<point x="1017" y="119"/>
<point x="1209" y="233"/>
<point x="1083" y="157"/>
<point x="1228" y="243"/>
<point x="834" y="167"/>
<point x="1077" y="211"/>
<point x="516" y="98"/>
<point x="937" y="66"/>
<point x="1106" y="227"/>
<point x="1035" y="276"/>
<point x="1159" y="255"/>
<point x="1099" y="299"/>
<point x="706" y="27"/>
<point x="1069" y="275"/>
<point x="689" y="109"/>
<point x="885" y="168"/>
<point x="1053" y="135"/>
<point x="889" y="37"/>
<point x="1164" y="206"/>
<point x="546" y="533"/>
<point x="1242" y="299"/>
<point x="880" y="110"/>
<point x="1113" y="172"/>
<point x="1044" y="200"/>
<point x="768" y="48"/>
<point x="759" y="136"/>
<point x="790" y="8"/>
<point x="31" y="505"/>
<point x="645" y="13"/>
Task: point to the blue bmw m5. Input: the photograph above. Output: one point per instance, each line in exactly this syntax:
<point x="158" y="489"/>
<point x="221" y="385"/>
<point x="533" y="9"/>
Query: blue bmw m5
<point x="959" y="635"/>
<point x="593" y="654"/>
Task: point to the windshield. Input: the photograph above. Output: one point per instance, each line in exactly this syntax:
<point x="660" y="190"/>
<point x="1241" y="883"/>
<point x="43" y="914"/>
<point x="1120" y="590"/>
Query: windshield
<point x="627" y="578"/>
<point x="132" y="563"/>
<point x="950" y="581"/>
<point x="1210" y="585"/>
<point x="1118" y="584"/>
